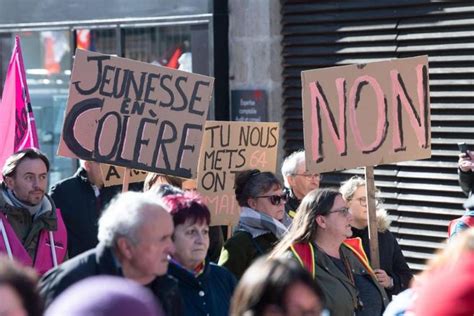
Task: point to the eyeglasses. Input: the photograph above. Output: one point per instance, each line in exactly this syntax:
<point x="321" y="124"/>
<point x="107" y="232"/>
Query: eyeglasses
<point x="344" y="211"/>
<point x="274" y="199"/>
<point x="363" y="201"/>
<point x="308" y="177"/>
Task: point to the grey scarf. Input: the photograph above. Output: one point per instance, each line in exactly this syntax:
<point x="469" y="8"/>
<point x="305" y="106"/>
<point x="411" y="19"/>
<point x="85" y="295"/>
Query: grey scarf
<point x="257" y="223"/>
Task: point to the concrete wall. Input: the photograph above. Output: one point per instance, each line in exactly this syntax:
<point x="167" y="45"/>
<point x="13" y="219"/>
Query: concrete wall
<point x="255" y="52"/>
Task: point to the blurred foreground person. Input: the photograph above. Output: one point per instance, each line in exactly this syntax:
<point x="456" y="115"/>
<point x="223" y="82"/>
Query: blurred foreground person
<point x="105" y="295"/>
<point x="394" y="274"/>
<point x="205" y="287"/>
<point x="134" y="242"/>
<point x="277" y="287"/>
<point x="317" y="240"/>
<point x="18" y="290"/>
<point x="262" y="201"/>
<point x="31" y="228"/>
<point x="445" y="287"/>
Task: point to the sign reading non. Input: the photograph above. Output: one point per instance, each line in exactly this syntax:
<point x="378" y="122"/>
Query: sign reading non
<point x="230" y="147"/>
<point x="365" y="115"/>
<point x="113" y="175"/>
<point x="137" y="115"/>
<point x="249" y="105"/>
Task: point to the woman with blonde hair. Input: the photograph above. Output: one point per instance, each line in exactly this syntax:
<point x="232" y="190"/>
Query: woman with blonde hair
<point x="316" y="239"/>
<point x="394" y="274"/>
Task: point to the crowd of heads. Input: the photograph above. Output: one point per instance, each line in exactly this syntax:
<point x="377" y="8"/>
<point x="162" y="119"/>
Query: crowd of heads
<point x="147" y="230"/>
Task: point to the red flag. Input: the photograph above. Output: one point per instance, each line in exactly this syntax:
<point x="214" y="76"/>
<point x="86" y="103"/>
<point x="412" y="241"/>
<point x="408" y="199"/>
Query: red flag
<point x="17" y="123"/>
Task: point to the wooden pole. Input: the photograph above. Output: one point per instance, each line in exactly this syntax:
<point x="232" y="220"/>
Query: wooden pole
<point x="126" y="179"/>
<point x="229" y="231"/>
<point x="372" y="218"/>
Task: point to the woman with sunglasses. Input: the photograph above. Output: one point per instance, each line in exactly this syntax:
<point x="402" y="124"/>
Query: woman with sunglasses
<point x="317" y="240"/>
<point x="260" y="196"/>
<point x="394" y="274"/>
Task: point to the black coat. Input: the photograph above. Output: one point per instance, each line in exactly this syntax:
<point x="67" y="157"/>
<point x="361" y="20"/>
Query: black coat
<point x="391" y="259"/>
<point x="101" y="261"/>
<point x="81" y="209"/>
<point x="466" y="181"/>
<point x="207" y="294"/>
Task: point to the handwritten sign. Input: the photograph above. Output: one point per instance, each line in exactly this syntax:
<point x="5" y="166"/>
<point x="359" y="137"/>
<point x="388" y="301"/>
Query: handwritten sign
<point x="230" y="147"/>
<point x="365" y="115"/>
<point x="113" y="175"/>
<point x="137" y="115"/>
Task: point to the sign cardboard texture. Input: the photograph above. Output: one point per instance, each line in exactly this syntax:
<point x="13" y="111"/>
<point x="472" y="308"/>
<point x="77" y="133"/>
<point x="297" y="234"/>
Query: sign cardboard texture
<point x="113" y="175"/>
<point x="136" y="115"/>
<point x="227" y="148"/>
<point x="366" y="115"/>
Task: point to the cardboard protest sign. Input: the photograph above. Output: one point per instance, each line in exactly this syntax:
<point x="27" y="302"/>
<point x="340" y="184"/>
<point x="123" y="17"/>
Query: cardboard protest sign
<point x="227" y="148"/>
<point x="365" y="115"/>
<point x="113" y="175"/>
<point x="137" y="115"/>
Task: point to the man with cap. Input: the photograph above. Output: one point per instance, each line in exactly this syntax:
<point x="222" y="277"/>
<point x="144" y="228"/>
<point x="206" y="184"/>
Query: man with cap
<point x="134" y="242"/>
<point x="298" y="182"/>
<point x="31" y="228"/>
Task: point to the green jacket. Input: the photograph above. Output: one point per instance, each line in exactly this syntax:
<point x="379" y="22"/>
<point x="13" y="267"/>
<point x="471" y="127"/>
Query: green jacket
<point x="241" y="250"/>
<point x="342" y="297"/>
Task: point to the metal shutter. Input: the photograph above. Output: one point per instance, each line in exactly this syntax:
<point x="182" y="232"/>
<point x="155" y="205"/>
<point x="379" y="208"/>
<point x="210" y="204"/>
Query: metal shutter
<point x="421" y="196"/>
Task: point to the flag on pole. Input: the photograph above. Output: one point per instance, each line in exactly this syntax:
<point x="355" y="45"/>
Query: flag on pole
<point x="17" y="123"/>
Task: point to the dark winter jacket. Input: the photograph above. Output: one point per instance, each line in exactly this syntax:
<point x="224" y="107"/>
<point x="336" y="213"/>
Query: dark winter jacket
<point x="241" y="250"/>
<point x="466" y="181"/>
<point x="207" y="294"/>
<point x="101" y="261"/>
<point x="292" y="203"/>
<point x="81" y="209"/>
<point x="392" y="260"/>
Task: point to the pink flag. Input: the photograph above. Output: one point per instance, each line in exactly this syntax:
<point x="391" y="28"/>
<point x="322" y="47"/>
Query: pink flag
<point x="17" y="123"/>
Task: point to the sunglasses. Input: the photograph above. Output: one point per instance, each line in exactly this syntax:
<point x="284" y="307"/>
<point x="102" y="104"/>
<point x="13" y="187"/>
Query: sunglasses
<point x="274" y="199"/>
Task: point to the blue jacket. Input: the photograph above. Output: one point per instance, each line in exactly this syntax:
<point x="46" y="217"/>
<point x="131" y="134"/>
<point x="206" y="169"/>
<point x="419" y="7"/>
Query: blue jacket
<point x="207" y="294"/>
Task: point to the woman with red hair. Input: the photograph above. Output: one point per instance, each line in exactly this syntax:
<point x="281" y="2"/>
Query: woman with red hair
<point x="205" y="287"/>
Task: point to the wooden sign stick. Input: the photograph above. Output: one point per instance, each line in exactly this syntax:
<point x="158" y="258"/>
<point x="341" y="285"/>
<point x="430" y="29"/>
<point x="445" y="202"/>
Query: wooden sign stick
<point x="126" y="179"/>
<point x="372" y="218"/>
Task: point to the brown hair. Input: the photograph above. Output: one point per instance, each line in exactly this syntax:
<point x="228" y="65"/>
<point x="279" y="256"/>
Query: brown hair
<point x="9" y="169"/>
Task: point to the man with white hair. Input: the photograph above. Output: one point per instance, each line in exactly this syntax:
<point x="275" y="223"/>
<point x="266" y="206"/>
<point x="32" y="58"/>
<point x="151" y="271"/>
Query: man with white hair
<point x="298" y="182"/>
<point x="134" y="242"/>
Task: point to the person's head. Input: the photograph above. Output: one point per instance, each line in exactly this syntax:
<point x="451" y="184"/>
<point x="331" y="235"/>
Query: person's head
<point x="354" y="193"/>
<point x="189" y="185"/>
<point x="191" y="219"/>
<point x="261" y="191"/>
<point x="156" y="179"/>
<point x="94" y="173"/>
<point x="322" y="212"/>
<point x="105" y="295"/>
<point x="26" y="174"/>
<point x="296" y="178"/>
<point x="276" y="287"/>
<point x="139" y="229"/>
<point x="18" y="290"/>
<point x="446" y="287"/>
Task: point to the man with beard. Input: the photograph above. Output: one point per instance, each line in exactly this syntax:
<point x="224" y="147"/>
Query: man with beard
<point x="31" y="229"/>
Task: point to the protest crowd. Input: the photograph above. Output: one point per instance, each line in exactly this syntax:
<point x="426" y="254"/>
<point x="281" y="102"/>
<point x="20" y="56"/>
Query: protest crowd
<point x="167" y="245"/>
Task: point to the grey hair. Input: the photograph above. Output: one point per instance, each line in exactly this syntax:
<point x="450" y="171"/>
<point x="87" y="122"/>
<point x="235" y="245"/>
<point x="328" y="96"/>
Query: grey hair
<point x="291" y="163"/>
<point x="349" y="187"/>
<point x="125" y="215"/>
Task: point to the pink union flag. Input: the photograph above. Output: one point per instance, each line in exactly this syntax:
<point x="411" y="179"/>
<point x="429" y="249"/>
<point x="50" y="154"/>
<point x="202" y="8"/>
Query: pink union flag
<point x="17" y="123"/>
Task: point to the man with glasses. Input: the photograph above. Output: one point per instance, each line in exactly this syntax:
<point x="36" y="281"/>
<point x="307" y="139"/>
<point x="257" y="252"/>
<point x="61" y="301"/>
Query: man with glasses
<point x="298" y="181"/>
